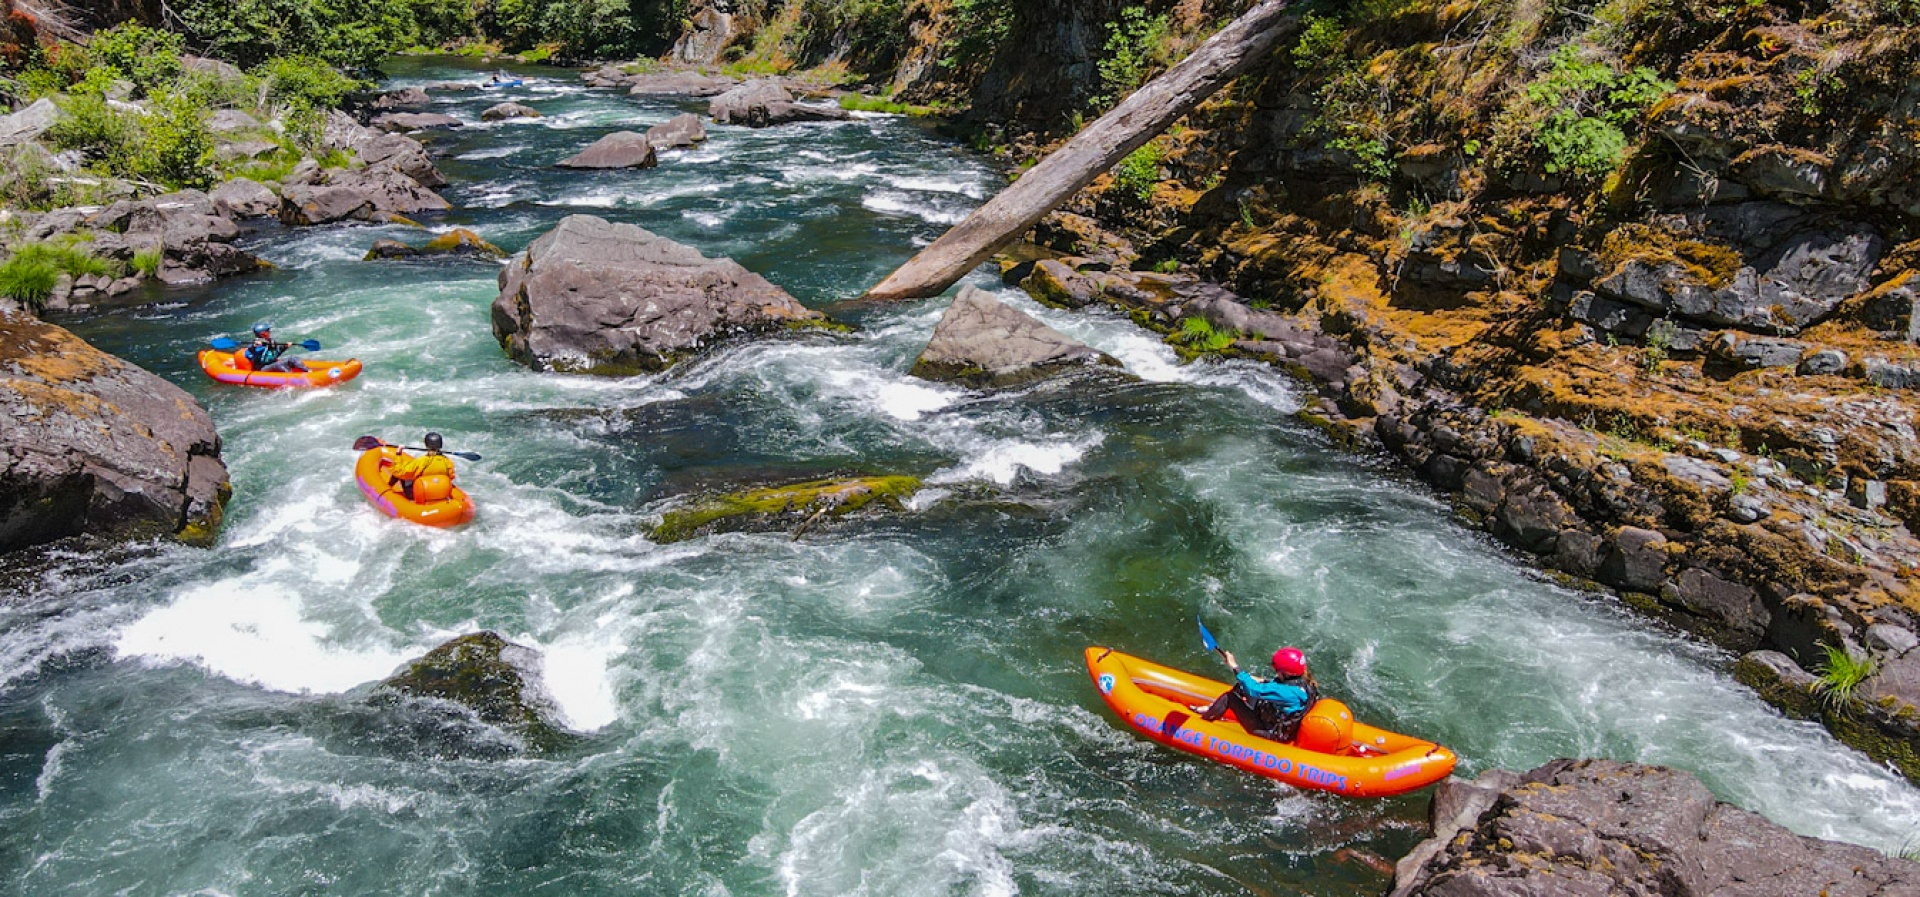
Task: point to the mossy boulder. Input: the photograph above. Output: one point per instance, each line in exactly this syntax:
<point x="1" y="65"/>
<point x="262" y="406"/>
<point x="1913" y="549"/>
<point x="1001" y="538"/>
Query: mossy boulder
<point x="480" y="678"/>
<point x="459" y="242"/>
<point x="797" y="506"/>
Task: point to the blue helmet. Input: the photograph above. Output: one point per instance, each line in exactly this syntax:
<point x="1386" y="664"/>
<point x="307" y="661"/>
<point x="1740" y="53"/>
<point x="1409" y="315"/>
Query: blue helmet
<point x="262" y="329"/>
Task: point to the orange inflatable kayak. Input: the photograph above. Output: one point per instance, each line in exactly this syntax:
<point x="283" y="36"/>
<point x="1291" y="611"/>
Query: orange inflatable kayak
<point x="371" y="472"/>
<point x="1331" y="753"/>
<point x="229" y="367"/>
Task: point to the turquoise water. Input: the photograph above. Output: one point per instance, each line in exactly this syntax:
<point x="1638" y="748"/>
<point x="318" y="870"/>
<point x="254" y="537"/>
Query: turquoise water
<point x="898" y="707"/>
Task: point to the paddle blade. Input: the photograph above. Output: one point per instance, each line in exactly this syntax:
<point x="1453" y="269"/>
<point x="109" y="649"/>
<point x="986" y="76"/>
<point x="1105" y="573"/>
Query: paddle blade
<point x="1206" y="638"/>
<point x="470" y="456"/>
<point x="223" y="344"/>
<point x="366" y="443"/>
<point x="312" y="345"/>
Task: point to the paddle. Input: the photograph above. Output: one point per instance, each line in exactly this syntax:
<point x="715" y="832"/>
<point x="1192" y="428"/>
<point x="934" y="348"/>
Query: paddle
<point x="368" y="443"/>
<point x="1206" y="638"/>
<point x="227" y="345"/>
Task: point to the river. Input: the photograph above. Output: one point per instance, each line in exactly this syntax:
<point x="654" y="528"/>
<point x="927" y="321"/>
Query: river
<point x="899" y="707"/>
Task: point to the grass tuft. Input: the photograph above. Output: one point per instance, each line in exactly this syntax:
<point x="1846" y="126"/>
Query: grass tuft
<point x="1841" y="674"/>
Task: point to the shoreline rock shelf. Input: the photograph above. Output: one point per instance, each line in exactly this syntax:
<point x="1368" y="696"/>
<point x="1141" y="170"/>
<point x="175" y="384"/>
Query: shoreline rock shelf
<point x="594" y="296"/>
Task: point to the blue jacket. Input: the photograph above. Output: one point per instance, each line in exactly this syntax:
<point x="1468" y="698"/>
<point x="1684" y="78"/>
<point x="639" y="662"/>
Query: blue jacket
<point x="263" y="353"/>
<point x="1288" y="699"/>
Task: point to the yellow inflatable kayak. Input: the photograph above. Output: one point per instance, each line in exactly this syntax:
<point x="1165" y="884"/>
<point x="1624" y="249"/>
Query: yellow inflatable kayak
<point x="371" y="473"/>
<point x="1331" y="753"/>
<point x="231" y="367"/>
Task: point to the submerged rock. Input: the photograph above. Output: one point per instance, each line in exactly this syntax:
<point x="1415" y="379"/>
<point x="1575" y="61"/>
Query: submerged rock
<point x="621" y="149"/>
<point x="94" y="444"/>
<point x="479" y="678"/>
<point x="1605" y="827"/>
<point x="414" y="121"/>
<point x="456" y="242"/>
<point x="593" y="296"/>
<point x="983" y="342"/>
<point x="794" y="507"/>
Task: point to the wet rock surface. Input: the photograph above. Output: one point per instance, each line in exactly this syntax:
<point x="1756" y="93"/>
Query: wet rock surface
<point x="505" y="111"/>
<point x="678" y="132"/>
<point x="92" y="444"/>
<point x="593" y="296"/>
<point x="458" y="242"/>
<point x="621" y="149"/>
<point x="764" y="103"/>
<point x="458" y="698"/>
<point x="1602" y="827"/>
<point x="797" y="508"/>
<point x="983" y="342"/>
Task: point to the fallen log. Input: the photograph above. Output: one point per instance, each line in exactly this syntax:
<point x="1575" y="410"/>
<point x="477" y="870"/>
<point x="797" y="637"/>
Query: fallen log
<point x="1138" y="119"/>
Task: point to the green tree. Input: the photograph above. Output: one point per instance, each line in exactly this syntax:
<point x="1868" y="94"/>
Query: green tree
<point x="350" y="34"/>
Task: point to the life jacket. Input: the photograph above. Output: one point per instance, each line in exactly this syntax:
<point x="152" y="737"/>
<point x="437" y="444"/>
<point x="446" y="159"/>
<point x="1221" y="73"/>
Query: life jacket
<point x="261" y="353"/>
<point x="1281" y="725"/>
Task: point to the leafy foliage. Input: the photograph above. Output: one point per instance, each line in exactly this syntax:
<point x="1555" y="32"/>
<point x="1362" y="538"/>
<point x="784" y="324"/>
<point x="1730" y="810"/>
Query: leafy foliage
<point x="88" y="124"/>
<point x="1320" y="41"/>
<point x="175" y="146"/>
<point x="1580" y="107"/>
<point x="977" y="29"/>
<point x="1199" y="335"/>
<point x="1136" y="47"/>
<point x="148" y="57"/>
<point x="1137" y="174"/>
<point x="350" y="34"/>
<point x="30" y="274"/>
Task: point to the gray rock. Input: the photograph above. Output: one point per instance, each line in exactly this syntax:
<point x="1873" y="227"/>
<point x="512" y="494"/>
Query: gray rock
<point x="1637" y="562"/>
<point x="766" y="102"/>
<point x="224" y="71"/>
<point x="691" y="84"/>
<point x="985" y="343"/>
<point x="680" y="131"/>
<point x="1697" y="472"/>
<point x="376" y="193"/>
<point x="505" y="111"/>
<point x="708" y="31"/>
<point x="1892" y="640"/>
<point x="414" y="121"/>
<point x="1786" y="286"/>
<point x="406" y="98"/>
<point x="245" y="149"/>
<point x="1883" y="373"/>
<point x="1890" y="308"/>
<point x="1824" y="363"/>
<point x="621" y="149"/>
<point x="390" y="249"/>
<point x="402" y="154"/>
<point x="592" y="296"/>
<point x="29" y="123"/>
<point x="242" y="198"/>
<point x="94" y="444"/>
<point x="1753" y="352"/>
<point x="227" y="121"/>
<point x="1866" y="494"/>
<point x="1730" y="611"/>
<point x="1747" y="509"/>
<point x="193" y="232"/>
<point x="1532" y="519"/>
<point x="1055" y="283"/>
<point x="1602" y="827"/>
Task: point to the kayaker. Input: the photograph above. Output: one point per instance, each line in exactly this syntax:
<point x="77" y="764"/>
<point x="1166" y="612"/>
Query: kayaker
<point x="1269" y="708"/>
<point x="407" y="468"/>
<point x="266" y="355"/>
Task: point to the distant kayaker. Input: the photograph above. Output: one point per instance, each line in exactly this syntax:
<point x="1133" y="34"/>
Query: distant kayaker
<point x="266" y="355"/>
<point x="1269" y="708"/>
<point x="407" y="468"/>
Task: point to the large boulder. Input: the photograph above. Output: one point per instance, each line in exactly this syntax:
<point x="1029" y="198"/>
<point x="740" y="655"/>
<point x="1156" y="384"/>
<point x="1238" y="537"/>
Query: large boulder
<point x="375" y="193"/>
<point x="28" y="123"/>
<point x="242" y="198"/>
<point x="94" y="444"/>
<point x="405" y="98"/>
<point x="709" y="29"/>
<point x="1603" y="827"/>
<point x="766" y="102"/>
<point x="621" y="149"/>
<point x="192" y="230"/>
<point x="471" y="684"/>
<point x="693" y="84"/>
<point x="593" y="296"/>
<point x="680" y="131"/>
<point x="414" y="121"/>
<point x="983" y="342"/>
<point x="504" y="111"/>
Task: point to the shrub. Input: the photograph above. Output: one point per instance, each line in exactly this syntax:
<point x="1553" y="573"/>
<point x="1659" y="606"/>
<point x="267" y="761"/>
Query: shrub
<point x="1136" y="47"/>
<point x="1320" y="41"/>
<point x="175" y="147"/>
<point x="88" y="124"/>
<point x="1580" y="109"/>
<point x="1137" y="174"/>
<point x="1198" y="335"/>
<point x="148" y="57"/>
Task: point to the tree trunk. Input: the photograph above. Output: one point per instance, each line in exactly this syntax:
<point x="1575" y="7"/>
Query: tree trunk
<point x="1138" y="119"/>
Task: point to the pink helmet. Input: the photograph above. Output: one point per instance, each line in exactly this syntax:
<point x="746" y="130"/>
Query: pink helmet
<point x="1290" y="662"/>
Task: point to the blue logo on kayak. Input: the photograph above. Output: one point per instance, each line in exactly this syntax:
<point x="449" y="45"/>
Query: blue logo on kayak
<point x="1106" y="683"/>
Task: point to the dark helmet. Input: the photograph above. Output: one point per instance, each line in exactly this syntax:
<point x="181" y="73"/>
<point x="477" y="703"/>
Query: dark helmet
<point x="262" y="329"/>
<point x="432" y="441"/>
<point x="1290" y="662"/>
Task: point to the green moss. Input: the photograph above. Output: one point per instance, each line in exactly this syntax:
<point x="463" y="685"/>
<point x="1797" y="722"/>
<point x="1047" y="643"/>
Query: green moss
<point x="780" y="506"/>
<point x="821" y="324"/>
<point x="855" y="102"/>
